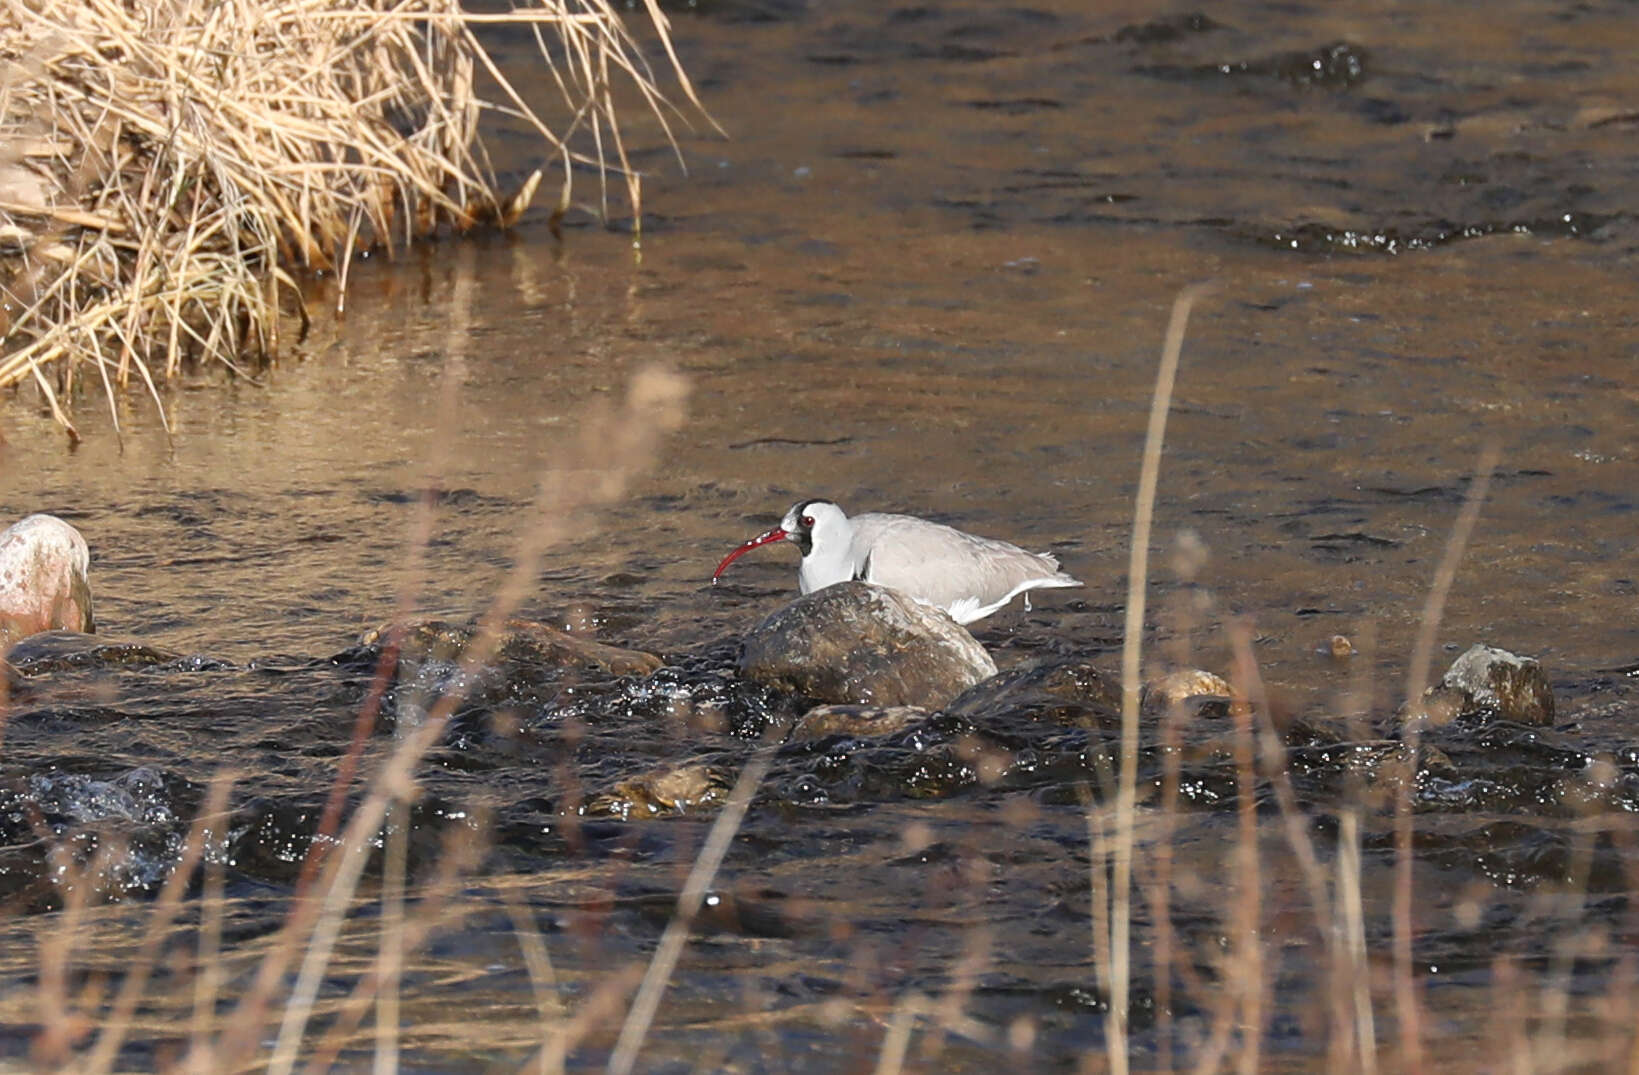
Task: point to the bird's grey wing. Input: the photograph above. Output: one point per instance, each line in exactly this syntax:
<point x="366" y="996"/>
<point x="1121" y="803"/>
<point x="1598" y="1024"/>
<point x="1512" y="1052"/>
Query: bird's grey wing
<point x="942" y="565"/>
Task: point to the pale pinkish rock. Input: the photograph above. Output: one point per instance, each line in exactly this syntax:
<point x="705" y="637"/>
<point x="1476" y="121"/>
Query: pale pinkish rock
<point x="44" y="579"/>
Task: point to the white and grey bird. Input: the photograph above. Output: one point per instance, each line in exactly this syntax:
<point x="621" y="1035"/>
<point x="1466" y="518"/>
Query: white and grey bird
<point x="969" y="577"/>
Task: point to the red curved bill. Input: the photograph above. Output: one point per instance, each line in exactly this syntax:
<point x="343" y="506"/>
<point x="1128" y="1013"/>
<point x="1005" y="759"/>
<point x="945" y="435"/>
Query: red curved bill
<point x="775" y="534"/>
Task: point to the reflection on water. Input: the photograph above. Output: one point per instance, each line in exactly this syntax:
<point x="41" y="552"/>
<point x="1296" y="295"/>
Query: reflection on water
<point x="928" y="272"/>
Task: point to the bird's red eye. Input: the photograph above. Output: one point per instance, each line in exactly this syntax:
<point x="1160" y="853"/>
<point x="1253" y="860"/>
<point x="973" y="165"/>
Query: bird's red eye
<point x="808" y="520"/>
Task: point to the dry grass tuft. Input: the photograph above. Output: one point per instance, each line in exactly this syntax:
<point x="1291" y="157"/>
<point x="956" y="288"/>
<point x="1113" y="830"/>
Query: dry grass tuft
<point x="165" y="168"/>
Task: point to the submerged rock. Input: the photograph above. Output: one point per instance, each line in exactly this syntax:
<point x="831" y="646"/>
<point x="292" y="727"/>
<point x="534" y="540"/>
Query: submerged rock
<point x="1489" y="683"/>
<point x="862" y="721"/>
<point x="44" y="579"/>
<point x="1057" y="692"/>
<point x="523" y="642"/>
<point x="529" y="640"/>
<point x="670" y="789"/>
<point x="530" y="666"/>
<point x="61" y="651"/>
<point x="859" y="644"/>
<point x="1197" y="690"/>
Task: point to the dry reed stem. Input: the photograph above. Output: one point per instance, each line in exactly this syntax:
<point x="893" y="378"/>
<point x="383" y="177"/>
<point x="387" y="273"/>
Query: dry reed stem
<point x="653" y="408"/>
<point x="393" y="944"/>
<point x="1161" y="859"/>
<point x="689" y="900"/>
<point x="200" y="151"/>
<point x="1098" y="894"/>
<point x="59" y="1029"/>
<point x="434" y="910"/>
<point x="1131" y="685"/>
<point x="1417" y="681"/>
<point x="897" y="1041"/>
<point x="1355" y="965"/>
<point x="600" y="1008"/>
<point x="394" y="870"/>
<point x="1249" y="978"/>
<point x="543" y="979"/>
<point x="1552" y="1045"/>
<point x="413" y="576"/>
<point x="617" y="446"/>
<point x="1354" y="1040"/>
<point x="118" y="1021"/>
<point x="208" y="976"/>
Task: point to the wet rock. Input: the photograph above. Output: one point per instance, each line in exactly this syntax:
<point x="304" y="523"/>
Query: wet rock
<point x="523" y="642"/>
<point x="670" y="789"/>
<point x="702" y="694"/>
<point x="1487" y="683"/>
<point x="1059" y="692"/>
<point x="859" y="644"/>
<point x="1439" y="706"/>
<point x="862" y="721"/>
<point x="532" y="667"/>
<point x="63" y="651"/>
<point x="44" y="579"/>
<point x="1200" y="691"/>
<point x="529" y="640"/>
<point x="1377" y="769"/>
<point x="1389" y="768"/>
<point x="1338" y="65"/>
<point x="1166" y="29"/>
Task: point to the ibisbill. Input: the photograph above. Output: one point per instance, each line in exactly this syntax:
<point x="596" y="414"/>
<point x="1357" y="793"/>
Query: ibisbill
<point x="968" y="576"/>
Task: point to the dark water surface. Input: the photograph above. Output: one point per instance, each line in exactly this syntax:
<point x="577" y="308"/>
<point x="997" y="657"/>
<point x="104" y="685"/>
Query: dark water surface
<point x="929" y="271"/>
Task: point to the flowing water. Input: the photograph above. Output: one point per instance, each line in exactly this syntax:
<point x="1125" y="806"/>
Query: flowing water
<point x="928" y="270"/>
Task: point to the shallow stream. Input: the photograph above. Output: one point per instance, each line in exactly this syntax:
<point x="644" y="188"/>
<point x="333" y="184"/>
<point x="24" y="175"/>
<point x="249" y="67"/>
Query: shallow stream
<point x="929" y="271"/>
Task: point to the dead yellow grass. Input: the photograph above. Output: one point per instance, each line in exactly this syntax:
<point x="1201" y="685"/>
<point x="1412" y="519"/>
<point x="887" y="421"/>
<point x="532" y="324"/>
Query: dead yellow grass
<point x="165" y="168"/>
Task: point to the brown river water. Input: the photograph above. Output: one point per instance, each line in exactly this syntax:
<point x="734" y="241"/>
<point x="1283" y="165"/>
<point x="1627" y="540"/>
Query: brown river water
<point x="929" y="270"/>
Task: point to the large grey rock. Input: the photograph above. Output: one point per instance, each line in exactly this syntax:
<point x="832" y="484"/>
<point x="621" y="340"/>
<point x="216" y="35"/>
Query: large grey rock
<point x="859" y="644"/>
<point x="44" y="579"/>
<point x="1490" y="682"/>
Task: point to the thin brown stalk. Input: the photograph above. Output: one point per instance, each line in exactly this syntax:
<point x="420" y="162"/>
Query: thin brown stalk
<point x="1247" y="959"/>
<point x="206" y="827"/>
<point x="543" y="980"/>
<point x="1131" y="686"/>
<point x="897" y="1041"/>
<point x="600" y="1008"/>
<point x="208" y="974"/>
<point x="1098" y="891"/>
<point x="689" y="900"/>
<point x="1161" y="863"/>
<point x="1407" y="1008"/>
<point x="1555" y="1003"/>
<point x="456" y="342"/>
<point x="1354" y="1037"/>
<point x="392" y="945"/>
<point x="614" y="446"/>
<point x="434" y="910"/>
<point x="1357" y="969"/>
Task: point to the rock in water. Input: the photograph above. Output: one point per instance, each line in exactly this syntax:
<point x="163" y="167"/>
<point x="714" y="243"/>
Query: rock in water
<point x="1489" y="682"/>
<point x="855" y="721"/>
<point x="521" y="642"/>
<point x="1057" y="692"/>
<point x="44" y="579"/>
<point x="677" y="788"/>
<point x="1180" y="685"/>
<point x="859" y="644"/>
